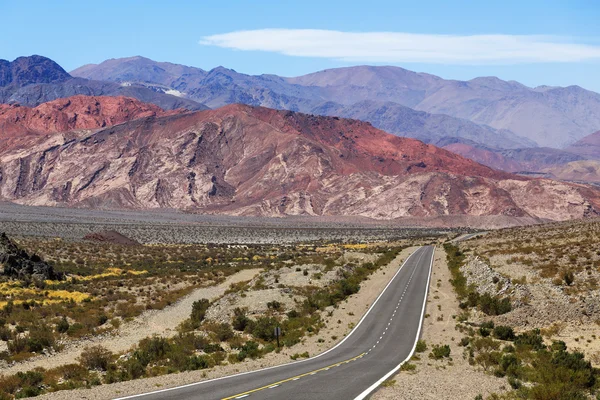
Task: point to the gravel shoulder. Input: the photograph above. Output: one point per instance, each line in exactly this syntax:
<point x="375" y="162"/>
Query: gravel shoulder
<point x="158" y="322"/>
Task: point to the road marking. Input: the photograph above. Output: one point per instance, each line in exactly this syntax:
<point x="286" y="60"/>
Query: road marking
<point x="294" y="378"/>
<point x="374" y="386"/>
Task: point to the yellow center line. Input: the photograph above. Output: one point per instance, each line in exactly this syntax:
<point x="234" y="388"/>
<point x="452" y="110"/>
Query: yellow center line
<point x="293" y="378"/>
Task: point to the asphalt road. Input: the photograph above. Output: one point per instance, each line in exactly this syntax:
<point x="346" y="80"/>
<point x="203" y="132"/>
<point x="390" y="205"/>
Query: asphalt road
<point x="372" y="352"/>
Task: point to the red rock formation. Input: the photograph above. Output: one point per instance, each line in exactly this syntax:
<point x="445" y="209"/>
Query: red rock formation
<point x="246" y="160"/>
<point x="77" y="112"/>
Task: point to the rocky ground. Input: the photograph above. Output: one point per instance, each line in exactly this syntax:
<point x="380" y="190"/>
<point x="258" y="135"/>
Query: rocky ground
<point x="529" y="265"/>
<point x="165" y="226"/>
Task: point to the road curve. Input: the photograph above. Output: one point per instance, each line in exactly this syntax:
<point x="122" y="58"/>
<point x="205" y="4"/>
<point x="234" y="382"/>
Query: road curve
<point x="383" y="340"/>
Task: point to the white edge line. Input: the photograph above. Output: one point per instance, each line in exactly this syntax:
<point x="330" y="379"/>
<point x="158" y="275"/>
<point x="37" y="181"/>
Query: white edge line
<point x="290" y="363"/>
<point x="374" y="386"/>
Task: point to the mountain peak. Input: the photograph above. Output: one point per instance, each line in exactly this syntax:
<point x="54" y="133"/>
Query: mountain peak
<point x="25" y="71"/>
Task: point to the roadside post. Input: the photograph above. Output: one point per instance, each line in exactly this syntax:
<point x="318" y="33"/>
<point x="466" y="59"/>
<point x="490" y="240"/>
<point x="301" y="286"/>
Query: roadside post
<point x="277" y="334"/>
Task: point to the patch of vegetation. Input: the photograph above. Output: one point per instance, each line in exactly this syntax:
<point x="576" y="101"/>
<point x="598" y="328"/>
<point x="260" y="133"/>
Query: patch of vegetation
<point x="469" y="297"/>
<point x="439" y="351"/>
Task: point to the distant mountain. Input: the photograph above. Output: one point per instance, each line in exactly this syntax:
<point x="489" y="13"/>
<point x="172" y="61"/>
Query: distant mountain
<point x="34" y="80"/>
<point x="430" y="128"/>
<point x="533" y="159"/>
<point x="549" y="116"/>
<point x="243" y="160"/>
<point x="578" y="171"/>
<point x="142" y="70"/>
<point x="27" y="70"/>
<point x="588" y="147"/>
<point x="553" y="117"/>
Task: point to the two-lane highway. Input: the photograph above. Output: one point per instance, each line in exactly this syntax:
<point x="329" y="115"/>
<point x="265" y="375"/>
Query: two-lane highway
<point x="383" y="339"/>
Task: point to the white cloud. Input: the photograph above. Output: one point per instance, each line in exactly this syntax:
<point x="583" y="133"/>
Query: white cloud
<point x="407" y="47"/>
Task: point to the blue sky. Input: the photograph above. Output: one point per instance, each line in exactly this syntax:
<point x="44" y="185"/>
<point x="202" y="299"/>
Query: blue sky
<point x="74" y="33"/>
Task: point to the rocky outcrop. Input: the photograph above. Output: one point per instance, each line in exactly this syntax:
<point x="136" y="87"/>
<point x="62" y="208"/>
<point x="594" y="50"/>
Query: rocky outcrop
<point x="16" y="263"/>
<point x="254" y="161"/>
<point x="73" y="113"/>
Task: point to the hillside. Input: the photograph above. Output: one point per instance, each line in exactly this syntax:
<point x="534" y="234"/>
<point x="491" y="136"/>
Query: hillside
<point x="242" y="160"/>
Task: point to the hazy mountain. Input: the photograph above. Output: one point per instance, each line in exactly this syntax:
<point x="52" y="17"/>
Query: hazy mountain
<point x="588" y="147"/>
<point x="579" y="171"/>
<point x="549" y="116"/>
<point x="34" y="80"/>
<point x="244" y="160"/>
<point x="430" y="128"/>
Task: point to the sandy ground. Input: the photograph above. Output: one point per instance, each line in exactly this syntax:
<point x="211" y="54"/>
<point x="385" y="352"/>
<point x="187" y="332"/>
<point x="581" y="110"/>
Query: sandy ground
<point x="450" y="380"/>
<point x="348" y="314"/>
<point x="159" y="322"/>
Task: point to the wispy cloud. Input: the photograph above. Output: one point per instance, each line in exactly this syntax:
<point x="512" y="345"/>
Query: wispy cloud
<point x="407" y="47"/>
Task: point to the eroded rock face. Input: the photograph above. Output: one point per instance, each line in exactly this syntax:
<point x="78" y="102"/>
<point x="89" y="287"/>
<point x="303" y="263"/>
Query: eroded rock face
<point x="16" y="263"/>
<point x="254" y="161"/>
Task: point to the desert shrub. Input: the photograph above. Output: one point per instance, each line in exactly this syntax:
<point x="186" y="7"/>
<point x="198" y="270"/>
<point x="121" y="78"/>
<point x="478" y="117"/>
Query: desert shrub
<point x="199" y="309"/>
<point x="4" y="333"/>
<point x="531" y="340"/>
<point x="296" y="356"/>
<point x="504" y="332"/>
<point x="421" y="346"/>
<point x="40" y="338"/>
<point x="275" y="305"/>
<point x="240" y="320"/>
<point x="222" y="331"/>
<point x="212" y="348"/>
<point x="197" y="362"/>
<point x="264" y="328"/>
<point x="484" y="332"/>
<point x="568" y="277"/>
<point x="72" y="372"/>
<point x="509" y="364"/>
<point x="62" y="326"/>
<point x="493" y="305"/>
<point x="152" y="349"/>
<point x="439" y="351"/>
<point x="95" y="358"/>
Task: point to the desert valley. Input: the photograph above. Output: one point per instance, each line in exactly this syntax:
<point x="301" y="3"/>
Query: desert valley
<point x="362" y="231"/>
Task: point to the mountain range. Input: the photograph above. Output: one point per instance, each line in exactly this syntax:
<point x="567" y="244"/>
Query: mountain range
<point x="519" y="116"/>
<point x="31" y="81"/>
<point x="255" y="161"/>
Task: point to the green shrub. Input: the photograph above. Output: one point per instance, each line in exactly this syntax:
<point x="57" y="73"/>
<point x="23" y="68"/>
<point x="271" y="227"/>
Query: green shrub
<point x="199" y="309"/>
<point x="421" y="346"/>
<point x="264" y="328"/>
<point x="504" y="333"/>
<point x="275" y="305"/>
<point x="62" y="326"/>
<point x="493" y="305"/>
<point x="240" y="320"/>
<point x="95" y="358"/>
<point x="300" y="355"/>
<point x="440" y="351"/>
